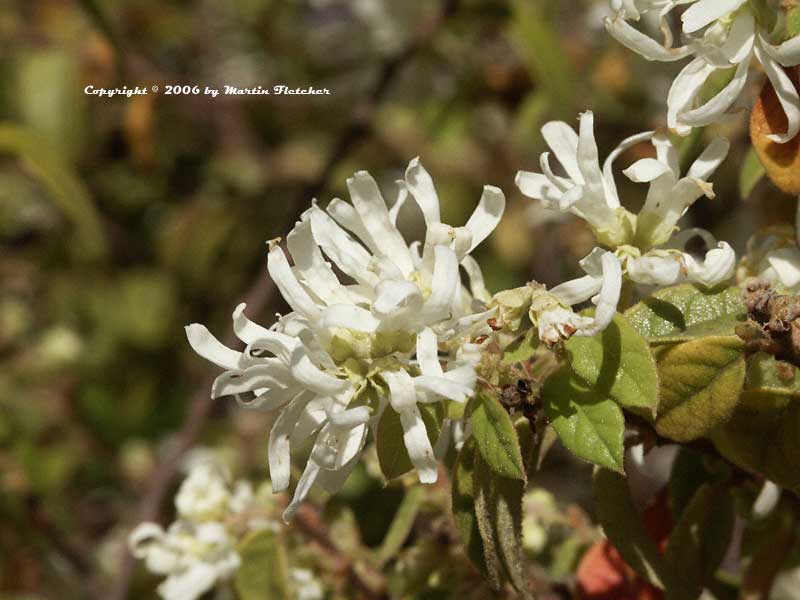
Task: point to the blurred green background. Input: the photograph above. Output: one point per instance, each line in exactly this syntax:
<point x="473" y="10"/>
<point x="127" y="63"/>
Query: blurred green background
<point x="123" y="219"/>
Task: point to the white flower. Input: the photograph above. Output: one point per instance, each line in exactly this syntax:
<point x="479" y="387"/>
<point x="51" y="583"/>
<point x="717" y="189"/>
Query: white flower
<point x="773" y="255"/>
<point x="203" y="495"/>
<point x="347" y="351"/>
<point x="306" y="585"/>
<point x="602" y="284"/>
<point x="720" y="35"/>
<point x="591" y="193"/>
<point x="193" y="556"/>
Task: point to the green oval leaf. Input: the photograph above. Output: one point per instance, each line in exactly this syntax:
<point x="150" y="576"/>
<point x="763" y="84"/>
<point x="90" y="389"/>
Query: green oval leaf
<point x="701" y="382"/>
<point x="617" y="363"/>
<point x="392" y="453"/>
<point x="684" y="312"/>
<point x="263" y="574"/>
<point x="496" y="437"/>
<point x="590" y="425"/>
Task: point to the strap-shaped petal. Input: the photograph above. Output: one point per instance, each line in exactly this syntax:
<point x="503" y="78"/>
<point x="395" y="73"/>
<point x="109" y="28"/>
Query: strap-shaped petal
<point x="428" y="353"/>
<point x="786" y="263"/>
<point x="655" y="269"/>
<point x="349" y="316"/>
<point x="279" y="446"/>
<point x="487" y="215"/>
<point x="206" y="345"/>
<point x="371" y="208"/>
<point x="446" y="279"/>
<point x="632" y="38"/>
<point x="420" y="184"/>
<point x="608" y="298"/>
<point x="532" y="185"/>
<point x="307" y="480"/>
<point x="420" y="451"/>
<point x="717" y="267"/>
<point x="477" y="287"/>
<point x="715" y="109"/>
<point x="350" y="256"/>
<point x="309" y="262"/>
<point x="710" y="160"/>
<point x="684" y="90"/>
<point x="307" y="373"/>
<point x="705" y="12"/>
<point x="563" y="140"/>
<point x="290" y="288"/>
<point x="786" y="92"/>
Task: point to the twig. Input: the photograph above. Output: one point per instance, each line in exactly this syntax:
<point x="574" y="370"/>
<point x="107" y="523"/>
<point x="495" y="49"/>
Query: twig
<point x="261" y="292"/>
<point x="368" y="581"/>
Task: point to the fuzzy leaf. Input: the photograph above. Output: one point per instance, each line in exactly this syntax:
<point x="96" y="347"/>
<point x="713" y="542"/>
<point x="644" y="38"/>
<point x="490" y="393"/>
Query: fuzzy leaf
<point x="463" y="497"/>
<point x="590" y="425"/>
<point x="684" y="312"/>
<point x="701" y="382"/>
<point x="498" y="510"/>
<point x="392" y="453"/>
<point x="520" y="349"/>
<point x="623" y="526"/>
<point x="699" y="541"/>
<point x="496" y="437"/>
<point x="617" y="363"/>
<point x="263" y="574"/>
<point x="762" y="435"/>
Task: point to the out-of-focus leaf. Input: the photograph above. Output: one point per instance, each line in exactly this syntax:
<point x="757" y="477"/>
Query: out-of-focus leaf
<point x="392" y="453"/>
<point x="463" y="498"/>
<point x="401" y="524"/>
<point x="699" y="541"/>
<point x="701" y="382"/>
<point x="617" y="363"/>
<point x="65" y="188"/>
<point x="589" y="424"/>
<point x="498" y="510"/>
<point x="496" y="437"/>
<point x="520" y="349"/>
<point x="263" y="574"/>
<point x="687" y="475"/>
<point x="623" y="526"/>
<point x="752" y="171"/>
<point x="762" y="434"/>
<point x="684" y="312"/>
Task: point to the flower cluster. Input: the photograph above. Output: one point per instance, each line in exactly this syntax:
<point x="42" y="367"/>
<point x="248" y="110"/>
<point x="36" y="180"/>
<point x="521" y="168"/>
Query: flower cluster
<point x="394" y="335"/>
<point x="646" y="243"/>
<point x="719" y="35"/>
<point x="199" y="548"/>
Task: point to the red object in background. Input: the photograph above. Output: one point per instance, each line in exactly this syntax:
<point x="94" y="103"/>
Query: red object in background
<point x="603" y="575"/>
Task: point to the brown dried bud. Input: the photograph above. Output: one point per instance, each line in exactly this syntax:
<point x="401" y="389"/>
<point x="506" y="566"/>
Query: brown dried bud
<point x="781" y="161"/>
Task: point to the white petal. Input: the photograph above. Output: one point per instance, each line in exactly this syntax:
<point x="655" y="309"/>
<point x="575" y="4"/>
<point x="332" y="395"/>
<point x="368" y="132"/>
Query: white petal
<point x="349" y="316"/>
<point x="787" y="53"/>
<point x="350" y="256"/>
<point x="346" y="216"/>
<point x="486" y="216"/>
<point x="477" y="287"/>
<point x="714" y="110"/>
<point x="350" y="418"/>
<point x="307" y="373"/>
<point x="608" y="298"/>
<point x="711" y="158"/>
<point x="290" y="288"/>
<point x="402" y="198"/>
<point x="401" y="389"/>
<point x="563" y="140"/>
<point x="786" y="263"/>
<point x="641" y="43"/>
<point x="190" y="584"/>
<point x="646" y="170"/>
<point x="767" y="500"/>
<point x="143" y="536"/>
<point x="428" y="353"/>
<point x="443" y="387"/>
<point x="608" y="165"/>
<point x="420" y="184"/>
<point x="655" y="270"/>
<point x="718" y="266"/>
<point x="684" y="90"/>
<point x="420" y="451"/>
<point x="787" y="95"/>
<point x="531" y="184"/>
<point x="271" y="374"/>
<point x="446" y="279"/>
<point x="371" y="207"/>
<point x="392" y="296"/>
<point x="705" y="12"/>
<point x="309" y="262"/>
<point x="304" y="486"/>
<point x="245" y="329"/>
<point x="577" y="290"/>
<point x="589" y="161"/>
<point x="210" y="348"/>
<point x="279" y="448"/>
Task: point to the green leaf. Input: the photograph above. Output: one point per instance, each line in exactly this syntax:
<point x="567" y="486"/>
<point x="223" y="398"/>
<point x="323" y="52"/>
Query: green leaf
<point x="687" y="475"/>
<point x="590" y="425"/>
<point x="392" y="453"/>
<point x="496" y="437"/>
<point x="752" y="171"/>
<point x="699" y="541"/>
<point x="617" y="363"/>
<point x="401" y="524"/>
<point x="762" y="435"/>
<point x="793" y="22"/>
<point x="684" y="312"/>
<point x="498" y="510"/>
<point x="463" y="497"/>
<point x="701" y="382"/>
<point x="263" y="574"/>
<point x="623" y="527"/>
